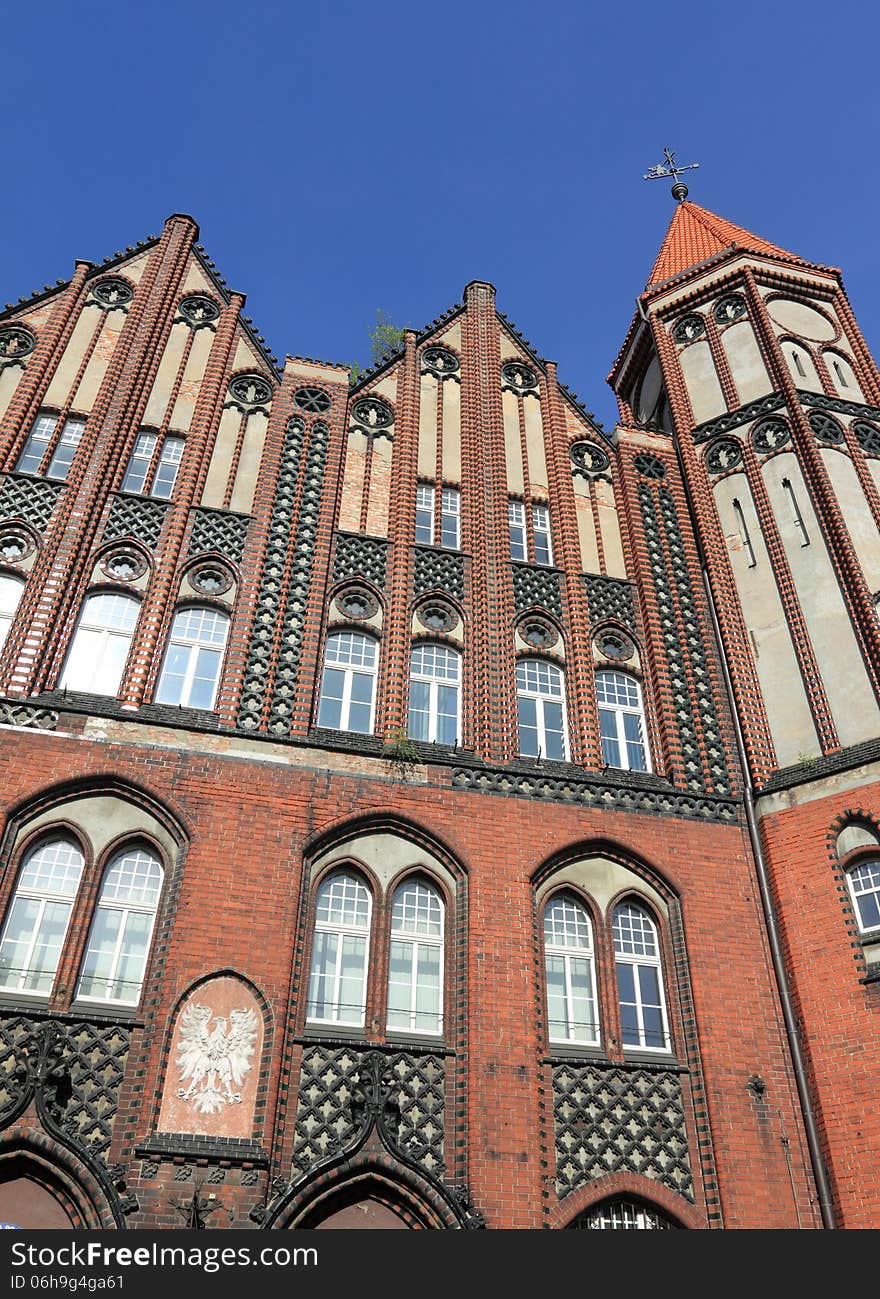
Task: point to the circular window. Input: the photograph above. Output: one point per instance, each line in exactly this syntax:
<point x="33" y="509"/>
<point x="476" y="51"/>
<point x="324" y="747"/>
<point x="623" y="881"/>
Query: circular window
<point x="112" y="292"/>
<point x="439" y="360"/>
<point x="615" y="646"/>
<point x="825" y="427"/>
<point x="15" y="342"/>
<point x="649" y="466"/>
<point x="314" y="400"/>
<point x="586" y="455"/>
<point x="250" y="389"/>
<point x="770" y="434"/>
<point x="689" y="328"/>
<point x="539" y="634"/>
<point x="437" y="617"/>
<point x="373" y="412"/>
<point x="199" y="309"/>
<point x="210" y="579"/>
<point x="518" y="376"/>
<point x="357" y="603"/>
<point x="15" y="545"/>
<point x="722" y="455"/>
<point x="124" y="565"/>
<point x="868" y="437"/>
<point x="729" y="308"/>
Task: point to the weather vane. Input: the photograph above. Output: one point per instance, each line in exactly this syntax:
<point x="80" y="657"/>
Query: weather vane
<point x="671" y="168"/>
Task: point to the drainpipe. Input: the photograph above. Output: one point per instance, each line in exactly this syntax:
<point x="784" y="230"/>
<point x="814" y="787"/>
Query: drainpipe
<point x="819" y="1173"/>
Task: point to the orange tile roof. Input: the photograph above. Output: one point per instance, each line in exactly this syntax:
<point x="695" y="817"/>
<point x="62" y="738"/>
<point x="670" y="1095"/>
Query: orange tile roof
<point x="696" y="234"/>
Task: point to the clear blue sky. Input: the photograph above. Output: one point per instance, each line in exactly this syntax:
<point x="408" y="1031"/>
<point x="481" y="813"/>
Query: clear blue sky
<point x="343" y="156"/>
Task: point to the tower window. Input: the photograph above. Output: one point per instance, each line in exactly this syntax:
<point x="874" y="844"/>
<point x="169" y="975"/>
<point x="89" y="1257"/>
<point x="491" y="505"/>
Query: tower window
<point x="348" y="686"/>
<point x="540" y="698"/>
<point x="11" y="589"/>
<point x="864" y="885"/>
<point x="191" y="670"/>
<point x="450" y="516"/>
<point x="48" y="450"/>
<point x="621" y="721"/>
<point x="101" y="643"/>
<point x="150" y="472"/>
<point x="434" y="694"/>
<point x="841" y="376"/>
<point x="797" y="517"/>
<point x="519" y="540"/>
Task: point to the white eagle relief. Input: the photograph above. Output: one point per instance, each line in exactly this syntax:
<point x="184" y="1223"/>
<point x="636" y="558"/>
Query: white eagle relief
<point x="214" y="1061"/>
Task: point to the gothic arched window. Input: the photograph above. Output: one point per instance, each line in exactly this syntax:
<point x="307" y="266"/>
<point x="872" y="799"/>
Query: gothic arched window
<point x="340" y="950"/>
<point x="643" y="1019"/>
<point x="348" y="685"/>
<point x="434" y="694"/>
<point x="122" y="927"/>
<point x="572" y="1013"/>
<point x="621" y="721"/>
<point x="194" y="657"/>
<point x="415" y="965"/>
<point x="101" y="643"/>
<point x="622" y="1215"/>
<point x="36" y="924"/>
<point x="11" y="589"/>
<point x="540" y="703"/>
<point x="864" y="885"/>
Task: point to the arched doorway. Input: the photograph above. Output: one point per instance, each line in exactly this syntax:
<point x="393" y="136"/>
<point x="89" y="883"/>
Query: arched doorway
<point x="367" y="1214"/>
<point x="30" y="1203"/>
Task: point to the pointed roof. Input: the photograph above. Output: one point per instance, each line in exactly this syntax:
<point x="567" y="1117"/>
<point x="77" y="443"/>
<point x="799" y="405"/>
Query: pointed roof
<point x="695" y="235"/>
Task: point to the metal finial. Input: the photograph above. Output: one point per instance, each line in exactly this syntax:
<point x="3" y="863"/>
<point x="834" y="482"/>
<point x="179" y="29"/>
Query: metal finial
<point x="671" y="168"/>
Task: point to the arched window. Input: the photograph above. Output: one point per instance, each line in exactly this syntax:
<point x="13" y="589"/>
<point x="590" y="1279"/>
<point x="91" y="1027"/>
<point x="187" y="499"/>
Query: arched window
<point x="10" y="594"/>
<point x="194" y="658"/>
<point x="622" y="1215"/>
<point x="119" y="941"/>
<point x="101" y="643"/>
<point x="338" y="980"/>
<point x="348" y="686"/>
<point x="540" y="704"/>
<point x="639" y="979"/>
<point x="864" y="885"/>
<point x="571" y="976"/>
<point x="434" y="694"/>
<point x="621" y="721"/>
<point x="33" y="935"/>
<point x="415" y="966"/>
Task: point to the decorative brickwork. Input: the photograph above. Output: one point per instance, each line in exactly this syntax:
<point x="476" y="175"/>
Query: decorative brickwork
<point x="611" y="598"/>
<point x="131" y="516"/>
<point x="736" y="418"/>
<point x="619" y="1120"/>
<point x="220" y="531"/>
<point x="536" y="587"/>
<point x="30" y="499"/>
<point x="19" y="714"/>
<point x="358" y="556"/>
<point x="325" y="1124"/>
<point x="438" y="570"/>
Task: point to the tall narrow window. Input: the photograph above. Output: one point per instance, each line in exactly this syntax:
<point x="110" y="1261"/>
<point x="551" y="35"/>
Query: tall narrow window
<point x="516" y="516"/>
<point x="450" y="519"/>
<point x="571" y="977"/>
<point x="744" y="533"/>
<point x="338" y="980"/>
<point x="841" y="377"/>
<point x="101" y="644"/>
<point x="796" y="516"/>
<point x="541" y="530"/>
<point x="33" y="935"/>
<point x="10" y="594"/>
<point x="639" y="979"/>
<point x="540" y="701"/>
<point x="146" y="473"/>
<point x="191" y="671"/>
<point x="621" y="721"/>
<point x="424" y="515"/>
<point x="864" y="884"/>
<point x="348" y="685"/>
<point x="415" y="967"/>
<point x="434" y="694"/>
<point x="42" y="436"/>
<point x="119" y="941"/>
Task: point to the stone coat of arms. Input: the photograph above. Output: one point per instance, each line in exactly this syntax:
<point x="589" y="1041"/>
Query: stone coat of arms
<point x="214" y="1061"/>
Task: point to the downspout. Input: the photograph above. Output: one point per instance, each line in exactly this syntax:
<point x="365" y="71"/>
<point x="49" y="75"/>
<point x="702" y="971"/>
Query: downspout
<point x="819" y="1173"/>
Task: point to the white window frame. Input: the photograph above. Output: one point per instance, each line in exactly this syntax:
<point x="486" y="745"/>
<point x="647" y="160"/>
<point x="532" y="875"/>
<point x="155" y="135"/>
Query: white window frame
<point x="635" y="960"/>
<point x="342" y="930"/>
<point x="529" y="692"/>
<point x="450" y="509"/>
<point x="42" y="433"/>
<point x="872" y="869"/>
<point x="434" y="683"/>
<point x="91" y="683"/>
<point x="418" y="941"/>
<point x="43" y="896"/>
<point x="519" y="537"/>
<point x="424" y="504"/>
<point x="127" y="908"/>
<point x="541" y="528"/>
<point x="624" y="1214"/>
<point x="193" y="645"/>
<point x="349" y="670"/>
<point x="143" y="452"/>
<point x="618" y="711"/>
<point x="11" y="591"/>
<point x="568" y="953"/>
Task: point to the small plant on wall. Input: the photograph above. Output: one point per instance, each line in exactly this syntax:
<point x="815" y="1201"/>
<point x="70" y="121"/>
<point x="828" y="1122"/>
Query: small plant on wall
<point x="399" y="750"/>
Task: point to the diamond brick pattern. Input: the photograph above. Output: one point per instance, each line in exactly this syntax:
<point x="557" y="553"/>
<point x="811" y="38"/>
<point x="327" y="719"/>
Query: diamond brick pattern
<point x="735" y="418"/>
<point x="29" y="499"/>
<point x="220" y="531"/>
<point x="96" y="1056"/>
<point x="610" y="598"/>
<point x="139" y="517"/>
<point x="619" y="1120"/>
<point x="438" y="570"/>
<point x="360" y="557"/>
<point x="324" y="1125"/>
<point x="534" y="586"/>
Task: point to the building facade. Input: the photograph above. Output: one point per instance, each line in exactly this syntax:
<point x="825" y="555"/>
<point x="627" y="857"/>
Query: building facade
<point x="422" y="807"/>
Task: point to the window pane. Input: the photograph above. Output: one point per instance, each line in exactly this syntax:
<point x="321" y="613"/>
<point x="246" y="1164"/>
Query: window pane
<point x="557" y="1019"/>
<point x="447" y="715"/>
<point x="139" y="464"/>
<point x="205" y="677"/>
<point x="55" y="867"/>
<point x="417" y="910"/>
<point x="330" y="707"/>
<point x="171" y="683"/>
<point x="450" y="519"/>
<point x="583" y="1014"/>
<point x="351" y="983"/>
<point x="566" y="924"/>
<point x="323" y="975"/>
<point x="629" y="1020"/>
<point x="166" y="470"/>
<point x="424" y="515"/>
<point x="98" y="961"/>
<point x="428" y="989"/>
<point x="129" y="973"/>
<point x="343" y="900"/>
<point x="135" y="877"/>
<point x="554" y="734"/>
<point x="399" y="984"/>
<point x="419" y="709"/>
<point x="71" y="435"/>
<point x="528" y="726"/>
<point x="20" y="927"/>
<point x="47" y="949"/>
<point x="35" y="447"/>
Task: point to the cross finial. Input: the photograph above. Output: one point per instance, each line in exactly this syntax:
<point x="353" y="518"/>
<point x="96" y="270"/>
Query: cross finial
<point x="671" y="168"/>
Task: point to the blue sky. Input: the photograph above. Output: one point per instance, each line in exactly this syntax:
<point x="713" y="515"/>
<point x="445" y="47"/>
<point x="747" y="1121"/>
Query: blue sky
<point x="342" y="157"/>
